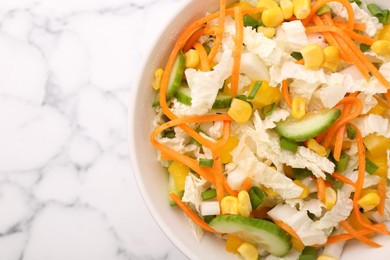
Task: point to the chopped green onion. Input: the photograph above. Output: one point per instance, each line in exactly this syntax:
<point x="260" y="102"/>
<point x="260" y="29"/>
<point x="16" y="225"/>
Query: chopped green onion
<point x="358" y="2"/>
<point x="242" y="97"/>
<point x="382" y="15"/>
<point x="268" y="110"/>
<point x="209" y="194"/>
<point x="207" y="219"/>
<point x="257" y="196"/>
<point x="300" y="173"/>
<point x="351" y="132"/>
<point x="254" y="90"/>
<point x="364" y="47"/>
<point x="324" y="9"/>
<point x="250" y="21"/>
<point x="308" y="253"/>
<point x="206" y="162"/>
<point x="169" y="134"/>
<point x="297" y="55"/>
<point x="371" y="167"/>
<point x="288" y="145"/>
<point x="341" y="165"/>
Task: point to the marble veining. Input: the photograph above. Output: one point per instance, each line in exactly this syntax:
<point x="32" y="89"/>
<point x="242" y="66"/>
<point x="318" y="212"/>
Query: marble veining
<point x="66" y="186"/>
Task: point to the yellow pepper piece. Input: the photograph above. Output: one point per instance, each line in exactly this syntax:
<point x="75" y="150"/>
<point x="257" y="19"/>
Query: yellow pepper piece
<point x="376" y="145"/>
<point x="381" y="47"/>
<point x="287" y="8"/>
<point x="381" y="162"/>
<point x="298" y="108"/>
<point x="158" y="74"/>
<point x="240" y="111"/>
<point x="229" y="205"/>
<point x="313" y="56"/>
<point x="232" y="143"/>
<point x="384" y="34"/>
<point x="248" y="251"/>
<point x="316" y="147"/>
<point x="272" y="17"/>
<point x="266" y="95"/>
<point x="192" y="58"/>
<point x="233" y="243"/>
<point x="179" y="172"/>
<point x="302" y="8"/>
<point x="381" y="108"/>
<point x="268" y="32"/>
<point x="369" y="201"/>
<point x="244" y="204"/>
<point x="330" y="198"/>
<point x="305" y="191"/>
<point x="331" y="58"/>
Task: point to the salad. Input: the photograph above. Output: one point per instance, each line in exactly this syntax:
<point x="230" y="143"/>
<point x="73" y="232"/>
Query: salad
<point x="272" y="119"/>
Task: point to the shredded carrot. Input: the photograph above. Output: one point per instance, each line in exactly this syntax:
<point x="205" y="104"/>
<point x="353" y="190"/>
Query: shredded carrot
<point x="321" y="187"/>
<point x="344" y="237"/>
<point x="237" y="49"/>
<point x="246" y="185"/>
<point x="195" y="218"/>
<point x="382" y="187"/>
<point x="357" y="235"/>
<point x="197" y="34"/>
<point x="204" y="61"/>
<point x="229" y="190"/>
<point x="387" y="96"/>
<point x="339" y="142"/>
<point x="318" y="4"/>
<point x="342" y="178"/>
<point x="219" y="178"/>
<point x="301" y="62"/>
<point x="218" y="39"/>
<point x="286" y="93"/>
<point x="360" y="38"/>
<point x="286" y="228"/>
<point x="342" y="24"/>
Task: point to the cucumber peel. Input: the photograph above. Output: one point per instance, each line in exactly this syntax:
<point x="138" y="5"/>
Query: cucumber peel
<point x="261" y="233"/>
<point x="176" y="75"/>
<point x="183" y="95"/>
<point x="311" y="125"/>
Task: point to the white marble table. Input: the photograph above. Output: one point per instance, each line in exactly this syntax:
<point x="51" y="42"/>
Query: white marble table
<point x="66" y="187"/>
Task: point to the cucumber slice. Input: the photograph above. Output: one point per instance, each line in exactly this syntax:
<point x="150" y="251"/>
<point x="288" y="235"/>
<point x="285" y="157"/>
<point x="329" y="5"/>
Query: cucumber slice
<point x="311" y="125"/>
<point x="176" y="75"/>
<point x="222" y="101"/>
<point x="261" y="233"/>
<point x="172" y="188"/>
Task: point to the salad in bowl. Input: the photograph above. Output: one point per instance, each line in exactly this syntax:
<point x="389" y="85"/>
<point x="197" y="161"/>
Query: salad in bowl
<point x="272" y="121"/>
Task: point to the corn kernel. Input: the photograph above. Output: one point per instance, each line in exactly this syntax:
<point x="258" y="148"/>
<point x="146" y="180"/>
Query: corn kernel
<point x="244" y="203"/>
<point x="381" y="47"/>
<point x="192" y="58"/>
<point x="232" y="143"/>
<point x="326" y="257"/>
<point x="287" y="8"/>
<point x="229" y="205"/>
<point x="297" y="244"/>
<point x="331" y="54"/>
<point x="233" y="243"/>
<point x="298" y="109"/>
<point x="330" y="198"/>
<point x="316" y="147"/>
<point x="240" y="111"/>
<point x="305" y="191"/>
<point x="248" y="251"/>
<point x="330" y="66"/>
<point x="266" y="95"/>
<point x="158" y="74"/>
<point x="272" y="17"/>
<point x="369" y="201"/>
<point x="268" y="32"/>
<point x="179" y="172"/>
<point x="384" y="34"/>
<point x="313" y="56"/>
<point x="302" y="8"/>
<point x="266" y="4"/>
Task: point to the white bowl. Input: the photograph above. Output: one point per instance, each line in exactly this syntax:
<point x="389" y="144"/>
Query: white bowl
<point x="152" y="179"/>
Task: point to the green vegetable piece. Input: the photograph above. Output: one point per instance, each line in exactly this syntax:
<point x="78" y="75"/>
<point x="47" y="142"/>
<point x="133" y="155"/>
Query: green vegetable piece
<point x="209" y="194"/>
<point x="259" y="232"/>
<point x="207" y="219"/>
<point x="169" y="133"/>
<point x="371" y="167"/>
<point x="257" y="196"/>
<point x="206" y="162"/>
<point x="358" y="2"/>
<point x="301" y="173"/>
<point x="288" y="145"/>
<point x="207" y="48"/>
<point x="364" y="47"/>
<point x="183" y="95"/>
<point x="308" y="253"/>
<point x="323" y="10"/>
<point x="268" y="110"/>
<point x="341" y="165"/>
<point x="254" y="90"/>
<point x="382" y="15"/>
<point x="176" y="75"/>
<point x="297" y="55"/>
<point x="250" y="21"/>
<point x="242" y="97"/>
<point x="311" y="125"/>
<point x="222" y="101"/>
<point x="156" y="100"/>
<point x="351" y="132"/>
<point x="172" y="188"/>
